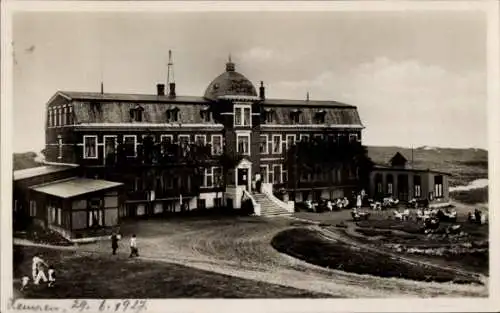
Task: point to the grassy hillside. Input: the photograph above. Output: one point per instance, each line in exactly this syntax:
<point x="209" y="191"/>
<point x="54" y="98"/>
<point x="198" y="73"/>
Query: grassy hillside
<point x="24" y="160"/>
<point x="465" y="165"/>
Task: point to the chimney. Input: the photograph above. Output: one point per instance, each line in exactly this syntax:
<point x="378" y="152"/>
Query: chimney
<point x="102" y="88"/>
<point x="172" y="90"/>
<point x="262" y="91"/>
<point x="160" y="89"/>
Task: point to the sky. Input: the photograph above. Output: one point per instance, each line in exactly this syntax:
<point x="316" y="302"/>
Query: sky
<point x="417" y="78"/>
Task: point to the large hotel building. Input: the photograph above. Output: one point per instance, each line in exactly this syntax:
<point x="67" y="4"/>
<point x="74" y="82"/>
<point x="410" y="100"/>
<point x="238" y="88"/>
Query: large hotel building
<point x="100" y="164"/>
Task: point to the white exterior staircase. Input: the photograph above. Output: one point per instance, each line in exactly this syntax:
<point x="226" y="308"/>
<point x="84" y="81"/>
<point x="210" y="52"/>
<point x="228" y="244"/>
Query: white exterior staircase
<point x="272" y="206"/>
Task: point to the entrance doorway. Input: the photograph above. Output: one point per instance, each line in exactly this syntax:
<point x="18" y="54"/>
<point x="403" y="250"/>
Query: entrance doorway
<point x="243" y="177"/>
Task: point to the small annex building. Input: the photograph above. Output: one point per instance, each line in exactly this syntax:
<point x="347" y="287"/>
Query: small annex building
<point x="56" y="197"/>
<point x="400" y="179"/>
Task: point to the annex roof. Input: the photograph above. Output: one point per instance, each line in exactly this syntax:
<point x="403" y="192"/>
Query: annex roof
<point x="75" y="186"/>
<point x="38" y="171"/>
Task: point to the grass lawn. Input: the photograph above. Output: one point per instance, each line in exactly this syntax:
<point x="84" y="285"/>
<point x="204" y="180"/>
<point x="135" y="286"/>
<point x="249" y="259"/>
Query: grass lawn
<point x="473" y="196"/>
<point x="93" y="275"/>
<point x="311" y="247"/>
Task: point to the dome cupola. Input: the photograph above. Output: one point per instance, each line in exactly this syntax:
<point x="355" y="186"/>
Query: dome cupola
<point x="230" y="83"/>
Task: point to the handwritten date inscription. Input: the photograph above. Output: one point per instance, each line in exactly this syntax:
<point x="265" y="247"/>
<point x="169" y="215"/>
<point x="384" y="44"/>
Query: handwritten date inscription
<point x="118" y="306"/>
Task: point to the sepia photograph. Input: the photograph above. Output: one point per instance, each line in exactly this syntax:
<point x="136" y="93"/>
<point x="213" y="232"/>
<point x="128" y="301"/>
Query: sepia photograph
<point x="245" y="154"/>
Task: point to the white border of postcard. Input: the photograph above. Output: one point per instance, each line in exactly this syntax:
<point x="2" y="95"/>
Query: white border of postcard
<point x="295" y="305"/>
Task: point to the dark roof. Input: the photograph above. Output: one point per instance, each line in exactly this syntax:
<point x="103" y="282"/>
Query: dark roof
<point x="306" y="103"/>
<point x="119" y="112"/>
<point x="74" y="187"/>
<point x="38" y="171"/>
<point x="333" y="116"/>
<point x="408" y="169"/>
<point x="398" y="159"/>
<point x="76" y="95"/>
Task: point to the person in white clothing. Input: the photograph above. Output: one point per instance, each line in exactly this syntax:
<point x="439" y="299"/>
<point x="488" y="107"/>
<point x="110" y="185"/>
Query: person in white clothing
<point x="358" y="201"/>
<point x="37" y="270"/>
<point x="133" y="246"/>
<point x="24" y="282"/>
<point x="258" y="182"/>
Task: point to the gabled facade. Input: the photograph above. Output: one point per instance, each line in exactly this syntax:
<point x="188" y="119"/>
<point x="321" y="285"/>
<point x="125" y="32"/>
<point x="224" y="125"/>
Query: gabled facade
<point x="93" y="130"/>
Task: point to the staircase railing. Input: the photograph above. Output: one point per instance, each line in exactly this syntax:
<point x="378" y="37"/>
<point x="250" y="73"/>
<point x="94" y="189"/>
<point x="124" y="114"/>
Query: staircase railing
<point x="289" y="207"/>
<point x="256" y="206"/>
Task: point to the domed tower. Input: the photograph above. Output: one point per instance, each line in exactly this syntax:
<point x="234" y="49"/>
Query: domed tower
<point x="230" y="85"/>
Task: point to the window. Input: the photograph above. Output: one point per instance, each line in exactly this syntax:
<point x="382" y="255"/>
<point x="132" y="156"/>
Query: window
<point x="438" y="186"/>
<point x="110" y="145"/>
<point x="201" y="204"/>
<point x="295" y="116"/>
<point x="209" y="178"/>
<point x="284" y="175"/>
<point x="59" y="146"/>
<point x="270" y="175"/>
<point x="417" y="186"/>
<point x="276" y="144"/>
<point x="90" y="147"/>
<point x="96" y="217"/>
<point x="136" y="114"/>
<point x="49" y="122"/>
<point x="389" y="184"/>
<point x="269" y="115"/>
<point x="32" y="208"/>
<point x="319" y="117"/>
<point x="69" y="117"/>
<point x="216" y="144"/>
<point x="304" y="137"/>
<point x="166" y="138"/>
<point x="200" y="140"/>
<point x="378" y="183"/>
<point x="217" y="174"/>
<point x="290" y="141"/>
<point x="183" y="139"/>
<point x="263" y="173"/>
<point x="172" y="115"/>
<point x="318" y="137"/>
<point x="64" y="115"/>
<point x="206" y="115"/>
<point x="243" y="144"/>
<point x="263" y="144"/>
<point x="59" y="116"/>
<point x="277" y="173"/>
<point x="242" y="115"/>
<point x="130" y="143"/>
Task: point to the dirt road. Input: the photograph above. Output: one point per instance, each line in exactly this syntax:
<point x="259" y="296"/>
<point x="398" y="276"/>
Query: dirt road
<point x="241" y="247"/>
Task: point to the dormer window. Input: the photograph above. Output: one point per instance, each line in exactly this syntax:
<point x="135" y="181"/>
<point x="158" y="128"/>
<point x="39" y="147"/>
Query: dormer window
<point x="136" y="114"/>
<point x="319" y="117"/>
<point x="295" y="116"/>
<point x="269" y="115"/>
<point x="205" y="114"/>
<point x="173" y="115"/>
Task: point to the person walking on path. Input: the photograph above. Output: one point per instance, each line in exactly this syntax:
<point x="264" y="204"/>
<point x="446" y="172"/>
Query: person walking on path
<point x="37" y="269"/>
<point x="114" y="242"/>
<point x="52" y="276"/>
<point x="133" y="246"/>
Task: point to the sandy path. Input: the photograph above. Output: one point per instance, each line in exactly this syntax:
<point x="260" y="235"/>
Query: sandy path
<point x="241" y="247"/>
